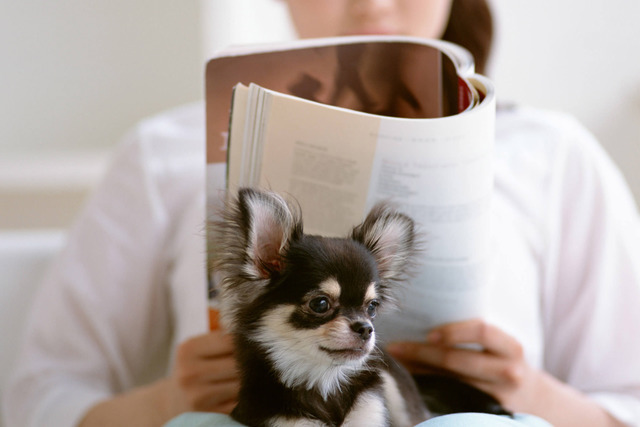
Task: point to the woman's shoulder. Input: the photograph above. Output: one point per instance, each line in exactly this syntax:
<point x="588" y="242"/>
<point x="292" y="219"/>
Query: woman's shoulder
<point x="185" y="122"/>
<point x="535" y="149"/>
<point x="552" y="136"/>
<point x="521" y="125"/>
<point x="542" y="151"/>
<point x="164" y="153"/>
<point x="546" y="138"/>
<point x="171" y="139"/>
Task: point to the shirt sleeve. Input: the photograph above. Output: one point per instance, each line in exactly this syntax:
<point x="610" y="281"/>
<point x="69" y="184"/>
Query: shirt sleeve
<point x="592" y="296"/>
<point x="102" y="315"/>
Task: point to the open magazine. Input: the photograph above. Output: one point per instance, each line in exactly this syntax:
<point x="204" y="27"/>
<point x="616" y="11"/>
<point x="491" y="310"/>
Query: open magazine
<point x="341" y="123"/>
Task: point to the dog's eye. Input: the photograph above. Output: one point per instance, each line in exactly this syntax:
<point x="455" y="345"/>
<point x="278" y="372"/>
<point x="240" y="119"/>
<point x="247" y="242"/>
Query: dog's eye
<point x="372" y="308"/>
<point x="320" y="305"/>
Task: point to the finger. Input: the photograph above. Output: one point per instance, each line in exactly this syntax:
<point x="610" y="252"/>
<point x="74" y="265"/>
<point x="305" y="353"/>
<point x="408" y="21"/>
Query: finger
<point x="202" y="371"/>
<point x="470" y="364"/>
<point x="416" y="368"/>
<point x="217" y="343"/>
<point x="212" y="370"/>
<point x="212" y="344"/>
<point x="476" y="331"/>
<point x="216" y="396"/>
<point x="418" y="356"/>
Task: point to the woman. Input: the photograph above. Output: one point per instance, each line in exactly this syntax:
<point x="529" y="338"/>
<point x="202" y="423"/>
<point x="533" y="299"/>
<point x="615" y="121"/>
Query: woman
<point x="129" y="288"/>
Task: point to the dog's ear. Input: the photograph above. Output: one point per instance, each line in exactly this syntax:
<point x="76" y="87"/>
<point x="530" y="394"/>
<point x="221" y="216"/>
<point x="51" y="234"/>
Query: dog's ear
<point x="269" y="223"/>
<point x="249" y="242"/>
<point x="391" y="237"/>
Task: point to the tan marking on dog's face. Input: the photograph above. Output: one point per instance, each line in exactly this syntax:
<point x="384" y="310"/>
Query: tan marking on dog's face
<point x="331" y="288"/>
<point x="371" y="292"/>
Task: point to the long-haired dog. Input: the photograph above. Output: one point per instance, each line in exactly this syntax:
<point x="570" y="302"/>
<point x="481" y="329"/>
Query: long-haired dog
<point x="301" y="310"/>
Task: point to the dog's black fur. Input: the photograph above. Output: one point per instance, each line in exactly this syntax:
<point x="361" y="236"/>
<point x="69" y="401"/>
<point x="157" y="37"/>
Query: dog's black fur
<point x="300" y="308"/>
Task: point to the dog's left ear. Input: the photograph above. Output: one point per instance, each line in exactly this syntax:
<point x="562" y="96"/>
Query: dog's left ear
<point x="391" y="237"/>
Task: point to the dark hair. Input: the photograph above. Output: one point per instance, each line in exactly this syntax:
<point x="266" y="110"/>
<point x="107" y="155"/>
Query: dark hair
<point x="471" y="26"/>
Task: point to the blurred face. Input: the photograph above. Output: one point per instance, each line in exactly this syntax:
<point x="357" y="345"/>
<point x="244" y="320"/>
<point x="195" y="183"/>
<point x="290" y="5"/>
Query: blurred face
<point x="326" y="18"/>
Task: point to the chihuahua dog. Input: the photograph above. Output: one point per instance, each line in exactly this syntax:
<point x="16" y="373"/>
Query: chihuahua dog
<point x="301" y="309"/>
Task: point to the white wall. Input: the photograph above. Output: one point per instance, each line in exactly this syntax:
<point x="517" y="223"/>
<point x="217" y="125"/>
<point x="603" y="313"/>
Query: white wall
<point x="75" y="75"/>
<point x="227" y="22"/>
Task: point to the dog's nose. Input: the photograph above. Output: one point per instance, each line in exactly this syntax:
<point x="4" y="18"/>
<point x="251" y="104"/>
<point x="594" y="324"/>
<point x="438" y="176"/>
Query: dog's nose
<point x="364" y="329"/>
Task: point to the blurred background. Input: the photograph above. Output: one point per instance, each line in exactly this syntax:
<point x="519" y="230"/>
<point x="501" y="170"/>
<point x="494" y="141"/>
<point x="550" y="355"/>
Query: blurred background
<point x="76" y="75"/>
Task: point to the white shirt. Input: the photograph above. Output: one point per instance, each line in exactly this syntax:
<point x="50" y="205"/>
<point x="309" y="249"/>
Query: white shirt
<point x="130" y="285"/>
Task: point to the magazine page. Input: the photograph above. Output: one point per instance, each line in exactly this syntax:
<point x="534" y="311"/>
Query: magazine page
<point x="337" y="163"/>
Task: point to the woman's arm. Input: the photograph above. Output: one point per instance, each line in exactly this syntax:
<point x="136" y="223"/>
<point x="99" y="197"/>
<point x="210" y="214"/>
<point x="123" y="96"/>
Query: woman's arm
<point x="89" y="334"/>
<point x="204" y="379"/>
<point x="101" y="326"/>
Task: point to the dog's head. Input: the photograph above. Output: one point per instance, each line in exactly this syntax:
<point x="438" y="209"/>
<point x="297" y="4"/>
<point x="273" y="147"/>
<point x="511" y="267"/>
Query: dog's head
<point x="307" y="301"/>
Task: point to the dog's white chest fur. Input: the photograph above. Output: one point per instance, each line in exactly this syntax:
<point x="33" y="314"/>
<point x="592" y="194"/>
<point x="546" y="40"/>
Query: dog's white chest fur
<point x="368" y="410"/>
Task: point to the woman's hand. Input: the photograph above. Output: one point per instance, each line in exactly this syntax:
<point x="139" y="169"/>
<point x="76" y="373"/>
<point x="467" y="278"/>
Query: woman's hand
<point x="493" y="361"/>
<point x="204" y="376"/>
<point x="478" y="353"/>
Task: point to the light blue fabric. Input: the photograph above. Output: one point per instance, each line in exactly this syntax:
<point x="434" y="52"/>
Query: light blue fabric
<point x="201" y="419"/>
<point x="484" y="420"/>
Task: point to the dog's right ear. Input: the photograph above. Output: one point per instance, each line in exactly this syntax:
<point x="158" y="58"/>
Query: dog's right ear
<point x="270" y="224"/>
<point x="255" y="231"/>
